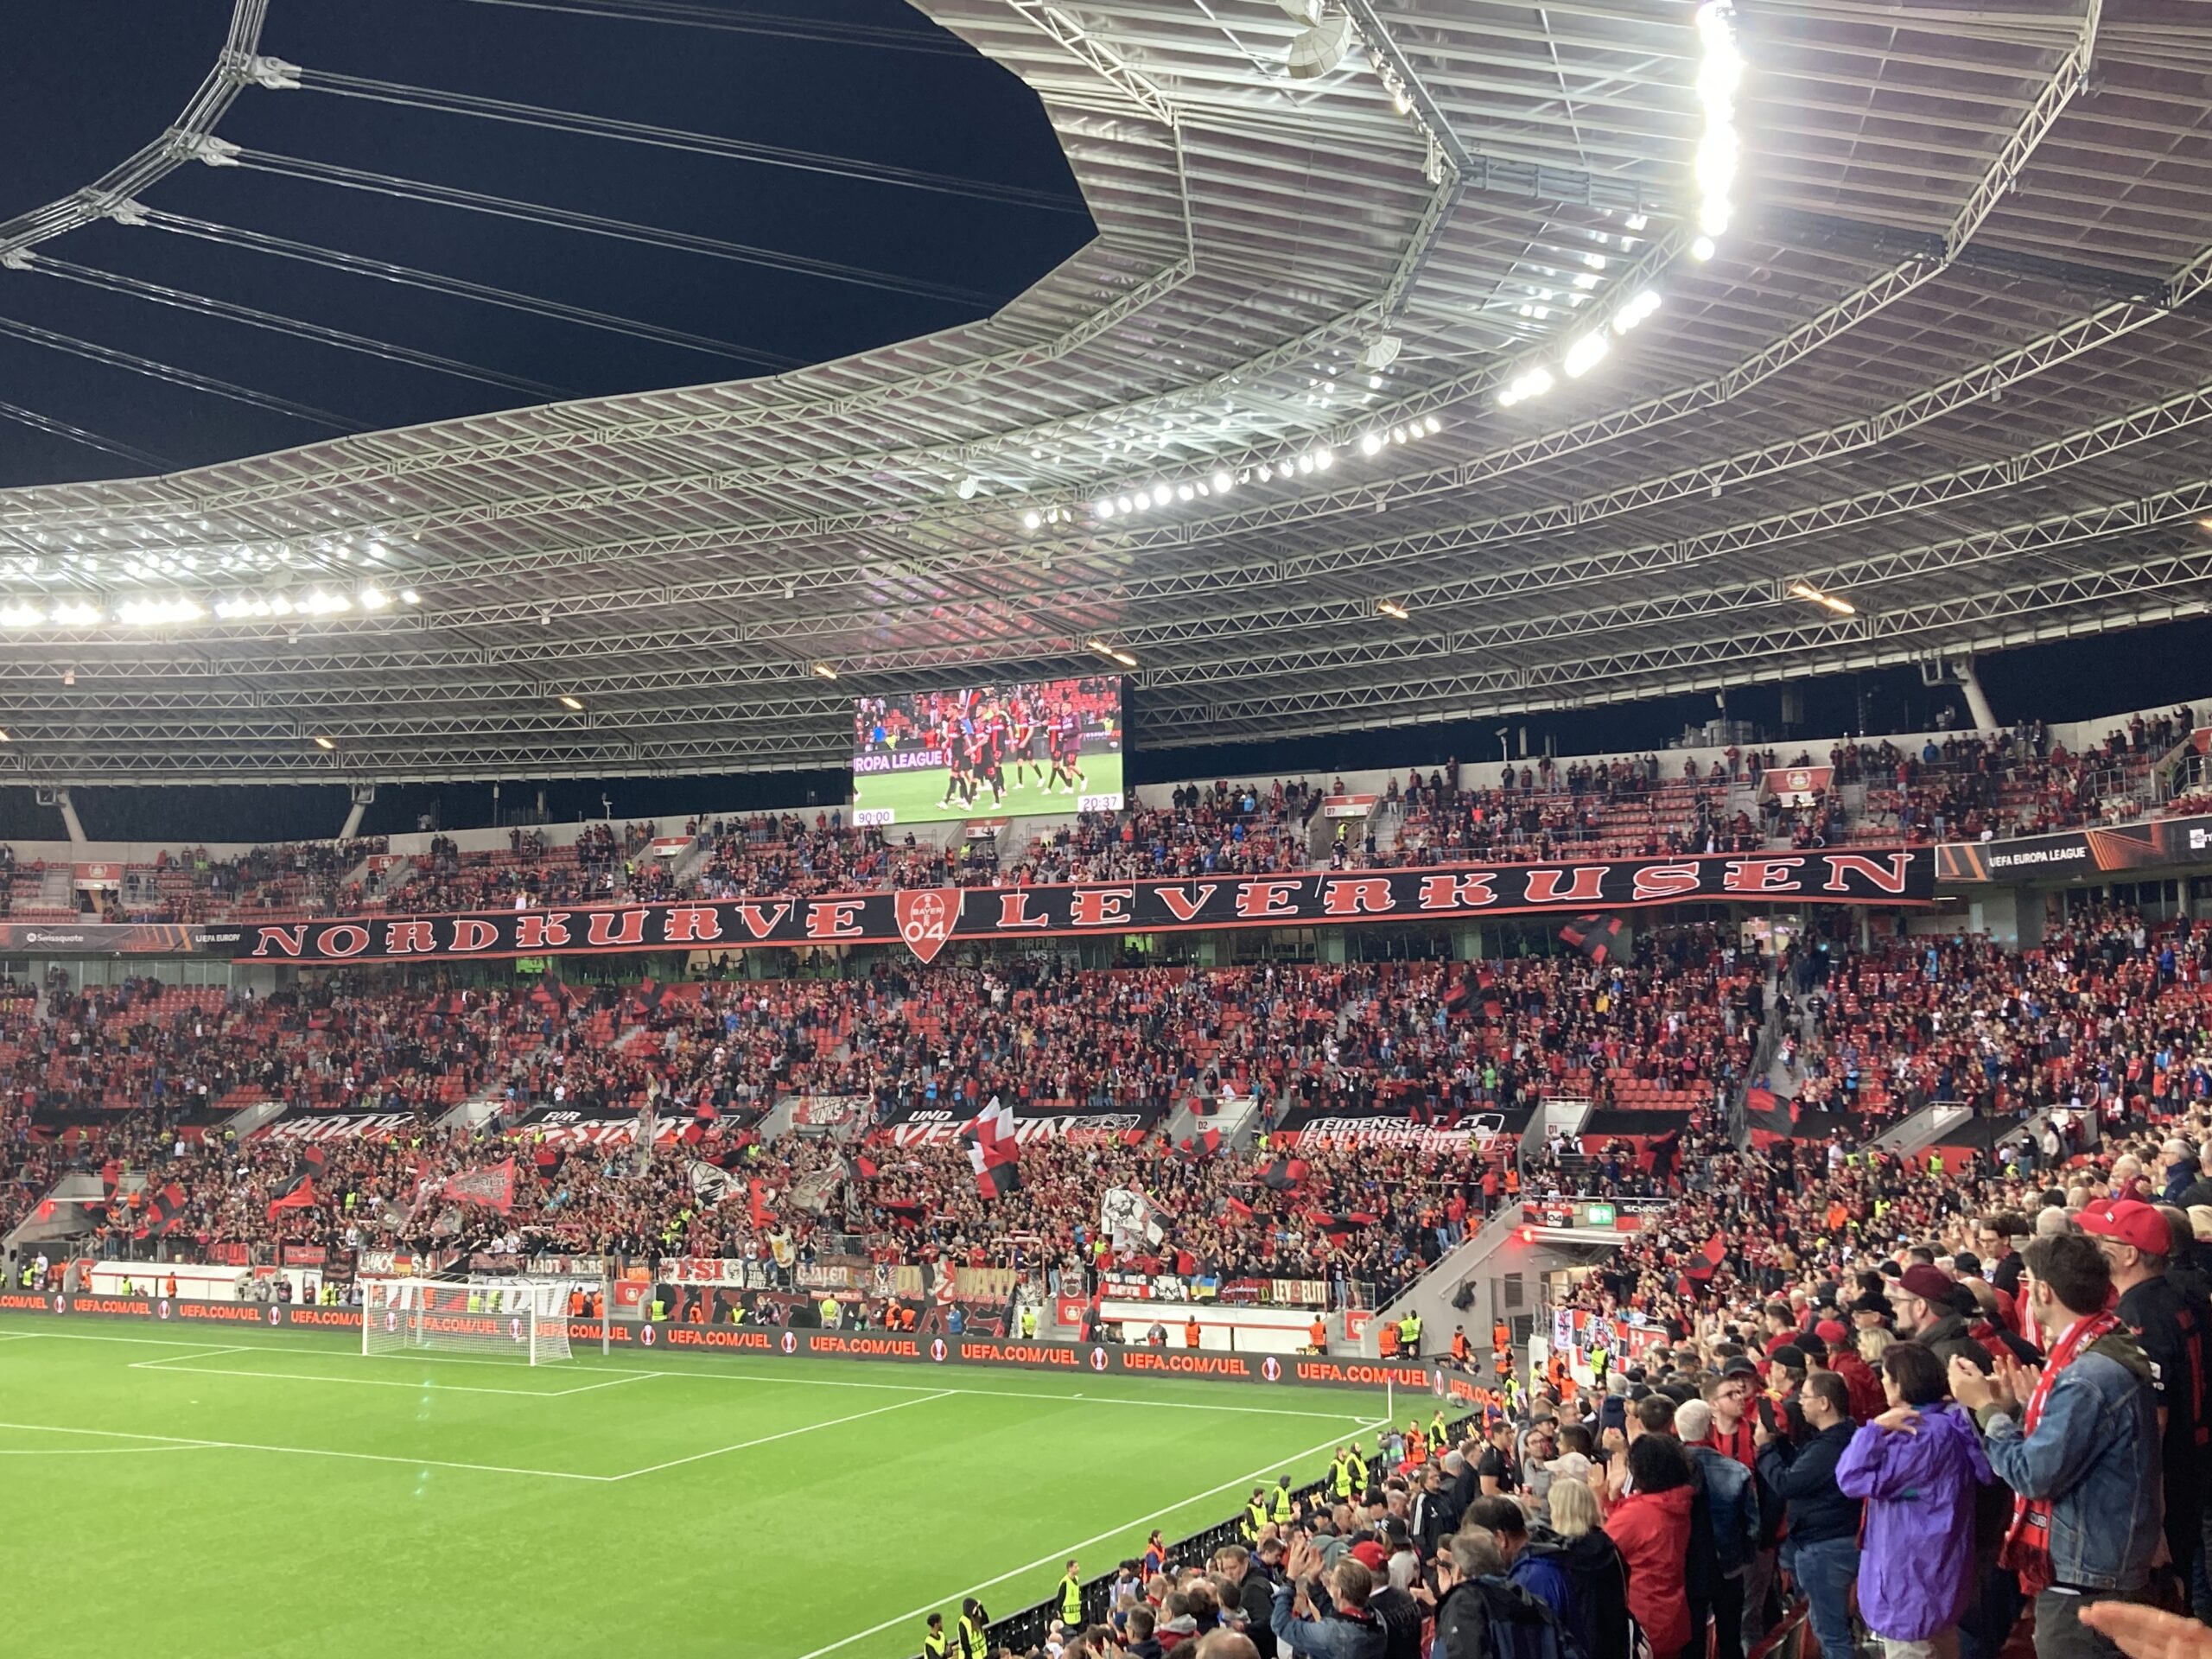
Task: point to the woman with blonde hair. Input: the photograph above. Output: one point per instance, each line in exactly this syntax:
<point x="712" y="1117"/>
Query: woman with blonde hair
<point x="1873" y="1344"/>
<point x="1597" y="1578"/>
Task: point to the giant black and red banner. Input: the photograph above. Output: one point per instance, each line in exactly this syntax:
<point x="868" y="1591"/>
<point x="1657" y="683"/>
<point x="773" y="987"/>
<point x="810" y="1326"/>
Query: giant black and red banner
<point x="926" y="919"/>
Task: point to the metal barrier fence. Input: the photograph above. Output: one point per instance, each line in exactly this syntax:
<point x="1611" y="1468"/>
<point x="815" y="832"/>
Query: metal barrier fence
<point x="1022" y="1631"/>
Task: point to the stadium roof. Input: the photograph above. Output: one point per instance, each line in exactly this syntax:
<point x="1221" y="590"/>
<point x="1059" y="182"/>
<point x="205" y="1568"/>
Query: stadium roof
<point x="1947" y="363"/>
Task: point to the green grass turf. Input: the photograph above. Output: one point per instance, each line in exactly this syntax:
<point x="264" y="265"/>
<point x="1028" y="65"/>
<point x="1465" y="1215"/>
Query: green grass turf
<point x="914" y="796"/>
<point x="290" y="1496"/>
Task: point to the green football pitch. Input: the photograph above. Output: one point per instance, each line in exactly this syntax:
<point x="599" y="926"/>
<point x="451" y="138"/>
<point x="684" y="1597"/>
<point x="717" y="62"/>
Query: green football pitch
<point x="914" y="796"/>
<point x="241" y="1493"/>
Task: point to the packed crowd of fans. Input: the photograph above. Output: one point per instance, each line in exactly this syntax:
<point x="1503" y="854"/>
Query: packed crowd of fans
<point x="1827" y="1335"/>
<point x="1964" y="786"/>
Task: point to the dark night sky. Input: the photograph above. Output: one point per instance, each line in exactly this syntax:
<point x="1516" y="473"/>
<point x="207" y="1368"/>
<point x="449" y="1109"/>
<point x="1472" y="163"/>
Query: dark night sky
<point x="84" y="83"/>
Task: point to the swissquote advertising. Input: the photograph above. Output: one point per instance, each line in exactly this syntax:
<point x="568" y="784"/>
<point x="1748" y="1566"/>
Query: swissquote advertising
<point x="927" y="919"/>
<point x="768" y="1343"/>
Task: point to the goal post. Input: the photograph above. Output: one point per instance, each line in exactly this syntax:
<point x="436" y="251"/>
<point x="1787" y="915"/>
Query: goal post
<point x="522" y="1319"/>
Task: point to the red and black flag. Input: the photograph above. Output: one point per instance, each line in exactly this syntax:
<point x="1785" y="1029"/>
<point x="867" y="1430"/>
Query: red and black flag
<point x="164" y="1212"/>
<point x="314" y="1158"/>
<point x="996" y="1180"/>
<point x="1282" y="1173"/>
<point x="1595" y="937"/>
<point x="1238" y="1209"/>
<point x="1203" y="1144"/>
<point x="297" y="1193"/>
<point x="1710" y="1256"/>
<point x="1455" y="993"/>
<point x="652" y="997"/>
<point x="1493" y="1004"/>
<point x="490" y="1184"/>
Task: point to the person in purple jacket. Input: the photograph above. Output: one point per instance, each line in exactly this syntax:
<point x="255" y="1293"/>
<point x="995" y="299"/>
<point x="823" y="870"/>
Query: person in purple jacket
<point x="1918" y="1465"/>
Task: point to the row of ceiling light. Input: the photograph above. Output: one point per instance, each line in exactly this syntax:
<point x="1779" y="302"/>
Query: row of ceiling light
<point x="1155" y="493"/>
<point x="145" y="612"/>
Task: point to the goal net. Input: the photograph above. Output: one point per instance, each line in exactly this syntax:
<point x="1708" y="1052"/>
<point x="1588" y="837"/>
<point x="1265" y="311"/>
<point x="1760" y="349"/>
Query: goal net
<point x="526" y="1320"/>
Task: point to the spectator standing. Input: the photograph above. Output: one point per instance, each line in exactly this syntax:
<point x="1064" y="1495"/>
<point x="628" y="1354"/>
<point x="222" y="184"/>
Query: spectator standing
<point x="1326" y="1616"/>
<point x="1919" y="1466"/>
<point x="1721" y="1552"/>
<point x="1498" y="1473"/>
<point x="1539" y="1572"/>
<point x="1823" y="1539"/>
<point x="1651" y="1526"/>
<point x="2078" y="1446"/>
<point x="1247" y="1576"/>
<point x="1597" y="1579"/>
<point x="2170" y="1327"/>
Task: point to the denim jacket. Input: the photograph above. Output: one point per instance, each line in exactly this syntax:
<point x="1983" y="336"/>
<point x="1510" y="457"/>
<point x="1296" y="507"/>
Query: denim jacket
<point x="1333" y="1636"/>
<point x="2094" y="1455"/>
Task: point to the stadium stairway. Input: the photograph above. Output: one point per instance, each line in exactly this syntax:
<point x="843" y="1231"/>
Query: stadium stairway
<point x="1921" y="1130"/>
<point x="60" y="1213"/>
<point x="476" y="1111"/>
<point x="1238" y="1122"/>
<point x="1433" y="1295"/>
<point x="248" y="1119"/>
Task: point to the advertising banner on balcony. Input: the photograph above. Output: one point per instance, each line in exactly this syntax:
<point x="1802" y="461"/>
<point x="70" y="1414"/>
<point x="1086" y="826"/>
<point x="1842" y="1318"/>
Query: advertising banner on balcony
<point x="2155" y="844"/>
<point x="926" y="919"/>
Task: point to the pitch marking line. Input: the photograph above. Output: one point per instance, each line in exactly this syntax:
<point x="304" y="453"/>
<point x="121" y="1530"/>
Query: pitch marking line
<point x="178" y="1367"/>
<point x="804" y="1428"/>
<point x="612" y="1382"/>
<point x="959" y="1596"/>
<point x="184" y="1441"/>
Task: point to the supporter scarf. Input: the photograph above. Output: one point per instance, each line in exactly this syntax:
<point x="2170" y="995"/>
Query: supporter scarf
<point x="2027" y="1541"/>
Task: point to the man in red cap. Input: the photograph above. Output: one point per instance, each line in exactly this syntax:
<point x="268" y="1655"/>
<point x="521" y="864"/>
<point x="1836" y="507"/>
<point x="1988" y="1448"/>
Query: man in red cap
<point x="1867" y="1399"/>
<point x="2172" y="1327"/>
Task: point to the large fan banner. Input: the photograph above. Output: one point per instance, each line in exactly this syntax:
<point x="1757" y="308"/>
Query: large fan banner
<point x="926" y="920"/>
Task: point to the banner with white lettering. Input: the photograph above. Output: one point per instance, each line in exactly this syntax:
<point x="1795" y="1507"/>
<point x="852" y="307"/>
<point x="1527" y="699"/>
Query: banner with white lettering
<point x="926" y="919"/>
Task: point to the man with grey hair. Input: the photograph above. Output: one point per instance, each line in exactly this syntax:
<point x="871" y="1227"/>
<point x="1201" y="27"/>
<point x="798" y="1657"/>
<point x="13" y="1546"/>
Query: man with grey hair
<point x="1475" y="1597"/>
<point x="1721" y="1552"/>
<point x="2051" y="1221"/>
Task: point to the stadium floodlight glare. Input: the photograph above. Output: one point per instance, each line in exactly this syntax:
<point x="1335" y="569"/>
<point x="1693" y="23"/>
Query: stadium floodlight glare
<point x="1433" y="425"/>
<point x="149" y="612"/>
<point x="1161" y="495"/>
<point x="825" y="671"/>
<point x="409" y="596"/>
<point x="1702" y="249"/>
<point x="75" y="614"/>
<point x="1584" y="355"/>
<point x="21" y="616"/>
<point x="1222" y="483"/>
<point x="1534" y="383"/>
<point x="324" y="743"/>
<point x="1102" y="508"/>
<point x="1806" y="590"/>
<point x="374" y="599"/>
<point x="1720" y="72"/>
<point x="1324" y="458"/>
<point x="1636" y="311"/>
<point x="1391" y="608"/>
<point x="1370" y="443"/>
<point x="1124" y="658"/>
<point x="1031" y="520"/>
<point x="573" y="705"/>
